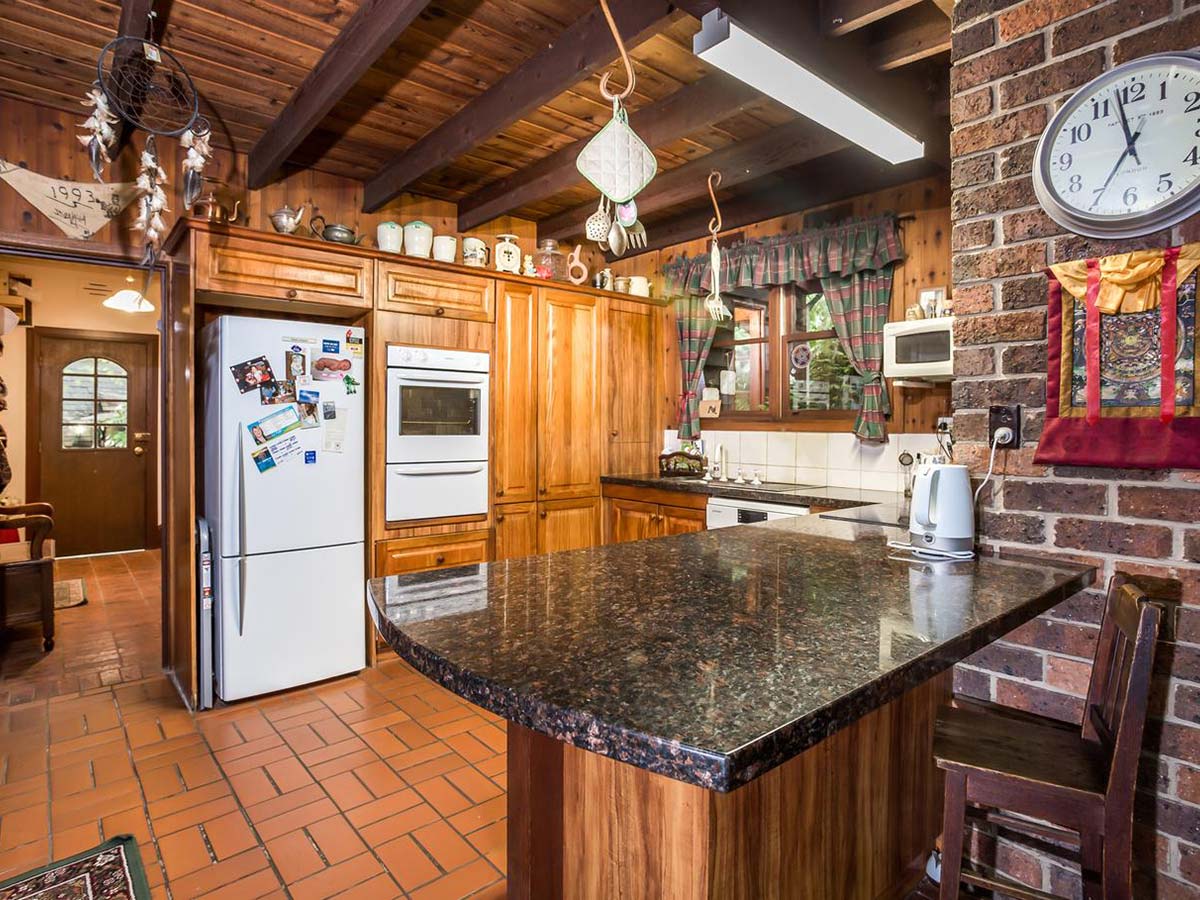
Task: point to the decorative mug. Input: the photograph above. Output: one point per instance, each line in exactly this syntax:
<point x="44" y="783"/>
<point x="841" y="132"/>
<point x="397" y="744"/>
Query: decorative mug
<point x="475" y="252"/>
<point x="445" y="248"/>
<point x="639" y="285"/>
<point x="389" y="237"/>
<point x="621" y="284"/>
<point x="418" y="239"/>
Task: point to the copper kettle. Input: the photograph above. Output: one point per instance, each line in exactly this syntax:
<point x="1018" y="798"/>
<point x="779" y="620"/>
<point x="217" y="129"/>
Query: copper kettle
<point x="211" y="209"/>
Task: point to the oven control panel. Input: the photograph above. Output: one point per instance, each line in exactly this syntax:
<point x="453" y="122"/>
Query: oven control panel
<point x="399" y="356"/>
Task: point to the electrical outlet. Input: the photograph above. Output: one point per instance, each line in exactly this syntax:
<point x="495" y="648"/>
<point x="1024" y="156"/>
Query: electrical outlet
<point x="1005" y="417"/>
<point x="945" y="423"/>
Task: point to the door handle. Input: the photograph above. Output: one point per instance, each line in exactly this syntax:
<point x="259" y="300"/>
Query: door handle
<point x="138" y="451"/>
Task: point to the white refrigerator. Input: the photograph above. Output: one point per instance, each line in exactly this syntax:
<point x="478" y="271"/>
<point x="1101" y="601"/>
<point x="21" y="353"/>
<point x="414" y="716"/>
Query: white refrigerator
<point x="283" y="449"/>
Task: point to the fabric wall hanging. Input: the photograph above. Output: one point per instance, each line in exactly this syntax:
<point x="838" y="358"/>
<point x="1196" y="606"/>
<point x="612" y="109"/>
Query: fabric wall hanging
<point x="79" y="208"/>
<point x="1122" y="360"/>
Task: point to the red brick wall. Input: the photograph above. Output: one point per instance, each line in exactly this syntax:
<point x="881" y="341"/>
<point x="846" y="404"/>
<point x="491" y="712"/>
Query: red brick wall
<point x="1013" y="62"/>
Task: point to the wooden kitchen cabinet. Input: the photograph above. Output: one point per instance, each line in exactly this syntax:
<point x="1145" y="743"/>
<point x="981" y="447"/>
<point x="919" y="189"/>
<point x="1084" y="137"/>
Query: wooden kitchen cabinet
<point x="631" y="520"/>
<point x="413" y="289"/>
<point x="514" y="388"/>
<point x="568" y="414"/>
<point x="432" y="551"/>
<point x="568" y="524"/>
<point x="516" y="530"/>
<point x="681" y="520"/>
<point x="630" y="379"/>
<point x="254" y="267"/>
<point x="635" y="513"/>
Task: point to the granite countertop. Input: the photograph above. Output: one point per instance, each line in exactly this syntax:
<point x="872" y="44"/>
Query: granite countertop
<point x="795" y="495"/>
<point x="708" y="657"/>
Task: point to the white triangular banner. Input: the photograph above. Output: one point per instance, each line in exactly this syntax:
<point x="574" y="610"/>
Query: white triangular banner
<point x="79" y="208"/>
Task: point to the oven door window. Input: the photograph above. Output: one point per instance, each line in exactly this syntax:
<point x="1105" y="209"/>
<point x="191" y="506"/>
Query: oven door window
<point x="427" y="410"/>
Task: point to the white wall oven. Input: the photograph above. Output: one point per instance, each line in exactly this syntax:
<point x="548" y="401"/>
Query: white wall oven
<point x="437" y="433"/>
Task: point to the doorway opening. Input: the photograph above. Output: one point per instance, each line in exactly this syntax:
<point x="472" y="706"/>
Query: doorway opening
<point x="82" y="385"/>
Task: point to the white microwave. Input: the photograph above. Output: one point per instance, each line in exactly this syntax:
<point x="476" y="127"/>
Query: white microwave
<point x="920" y="348"/>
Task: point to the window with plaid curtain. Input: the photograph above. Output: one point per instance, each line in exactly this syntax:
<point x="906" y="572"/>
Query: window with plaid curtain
<point x="696" y="329"/>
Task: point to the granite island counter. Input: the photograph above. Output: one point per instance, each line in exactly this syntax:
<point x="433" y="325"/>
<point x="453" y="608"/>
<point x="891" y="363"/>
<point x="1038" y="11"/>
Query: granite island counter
<point x="742" y="712"/>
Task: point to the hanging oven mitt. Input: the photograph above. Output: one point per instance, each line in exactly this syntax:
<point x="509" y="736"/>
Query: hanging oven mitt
<point x="616" y="160"/>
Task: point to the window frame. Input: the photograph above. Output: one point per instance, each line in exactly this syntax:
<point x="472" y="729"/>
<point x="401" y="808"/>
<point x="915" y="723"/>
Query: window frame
<point x="99" y="435"/>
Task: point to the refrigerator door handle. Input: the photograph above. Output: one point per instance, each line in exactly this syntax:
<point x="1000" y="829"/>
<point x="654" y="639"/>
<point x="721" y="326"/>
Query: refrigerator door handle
<point x="241" y="599"/>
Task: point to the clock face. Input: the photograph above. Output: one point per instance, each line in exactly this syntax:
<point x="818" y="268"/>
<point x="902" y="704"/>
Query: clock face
<point x="1122" y="156"/>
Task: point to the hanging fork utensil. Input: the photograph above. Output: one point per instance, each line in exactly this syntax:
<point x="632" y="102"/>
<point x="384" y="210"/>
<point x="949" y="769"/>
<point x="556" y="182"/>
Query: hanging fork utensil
<point x="713" y="302"/>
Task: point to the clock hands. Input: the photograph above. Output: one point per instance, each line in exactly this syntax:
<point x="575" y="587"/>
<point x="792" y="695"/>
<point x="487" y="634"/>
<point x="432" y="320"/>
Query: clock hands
<point x="1130" y="139"/>
<point x="1130" y="150"/>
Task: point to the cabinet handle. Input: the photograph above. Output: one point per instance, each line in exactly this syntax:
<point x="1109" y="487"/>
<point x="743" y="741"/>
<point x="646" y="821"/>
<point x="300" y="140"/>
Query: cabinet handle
<point x="439" y="559"/>
<point x="499" y="492"/>
<point x="440" y="311"/>
<point x="500" y="518"/>
<point x="291" y="293"/>
<point x="542" y="514"/>
<point x="613" y="433"/>
<point x="541" y="490"/>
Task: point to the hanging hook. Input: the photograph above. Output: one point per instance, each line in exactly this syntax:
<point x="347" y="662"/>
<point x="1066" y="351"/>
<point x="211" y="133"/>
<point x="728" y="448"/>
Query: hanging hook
<point x="714" y="182"/>
<point x="631" y="77"/>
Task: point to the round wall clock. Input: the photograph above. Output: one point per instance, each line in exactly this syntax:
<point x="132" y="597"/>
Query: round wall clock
<point x="1121" y="158"/>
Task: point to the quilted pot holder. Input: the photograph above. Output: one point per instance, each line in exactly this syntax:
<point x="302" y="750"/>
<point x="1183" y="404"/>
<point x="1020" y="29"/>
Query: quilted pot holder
<point x="617" y="161"/>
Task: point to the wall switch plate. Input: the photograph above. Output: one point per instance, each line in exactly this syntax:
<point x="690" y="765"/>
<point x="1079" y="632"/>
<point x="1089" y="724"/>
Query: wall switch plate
<point x="1005" y="417"/>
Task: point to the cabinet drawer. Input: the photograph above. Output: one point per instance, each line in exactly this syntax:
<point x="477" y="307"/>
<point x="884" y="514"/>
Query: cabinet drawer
<point x="433" y="293"/>
<point x="235" y="265"/>
<point x="435" y="551"/>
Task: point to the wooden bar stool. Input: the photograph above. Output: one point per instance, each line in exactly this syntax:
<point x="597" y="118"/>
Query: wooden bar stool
<point x="1081" y="780"/>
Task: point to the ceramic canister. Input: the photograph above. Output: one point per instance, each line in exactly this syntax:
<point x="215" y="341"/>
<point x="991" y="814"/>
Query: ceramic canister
<point x="389" y="237"/>
<point x="475" y="252"/>
<point x="445" y="247"/>
<point x="639" y="285"/>
<point x="418" y="239"/>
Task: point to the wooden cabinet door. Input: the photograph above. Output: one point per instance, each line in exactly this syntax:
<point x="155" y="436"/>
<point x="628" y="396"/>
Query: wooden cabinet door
<point x="433" y="551"/>
<point x="680" y="520"/>
<point x="516" y="530"/>
<point x="630" y="520"/>
<point x="568" y="524"/>
<point x="260" y="268"/>
<point x="630" y="381"/>
<point x="514" y="386"/>
<point x="568" y="390"/>
<point x="429" y="292"/>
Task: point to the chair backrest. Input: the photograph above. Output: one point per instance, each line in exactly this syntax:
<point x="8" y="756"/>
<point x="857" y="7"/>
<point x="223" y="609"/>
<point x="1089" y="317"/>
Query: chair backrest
<point x="1119" y="690"/>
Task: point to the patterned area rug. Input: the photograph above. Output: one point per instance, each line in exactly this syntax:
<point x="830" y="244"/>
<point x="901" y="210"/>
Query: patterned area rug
<point x="69" y="592"/>
<point x="112" y="871"/>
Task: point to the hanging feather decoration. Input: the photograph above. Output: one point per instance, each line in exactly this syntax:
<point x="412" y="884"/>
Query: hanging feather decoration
<point x="99" y="132"/>
<point x="196" y="141"/>
<point x="152" y="202"/>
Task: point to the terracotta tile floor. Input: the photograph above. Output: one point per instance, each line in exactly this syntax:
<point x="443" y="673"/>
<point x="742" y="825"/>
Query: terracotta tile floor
<point x="377" y="785"/>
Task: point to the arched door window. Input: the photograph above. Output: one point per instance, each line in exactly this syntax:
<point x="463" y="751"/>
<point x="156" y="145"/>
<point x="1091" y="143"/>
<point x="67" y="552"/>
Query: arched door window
<point x="95" y="405"/>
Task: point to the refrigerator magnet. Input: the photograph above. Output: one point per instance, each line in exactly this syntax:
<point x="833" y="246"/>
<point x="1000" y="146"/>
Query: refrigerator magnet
<point x="335" y="432"/>
<point x="309" y="396"/>
<point x="296" y="363"/>
<point x="328" y="410"/>
<point x="330" y="368"/>
<point x="253" y="373"/>
<point x="351" y="384"/>
<point x="286" y="448"/>
<point x="274" y="425"/>
<point x="309" y="416"/>
<point x="328" y="346"/>
<point x="277" y="392"/>
<point x="310" y="457"/>
<point x="263" y="459"/>
<point x="354" y="345"/>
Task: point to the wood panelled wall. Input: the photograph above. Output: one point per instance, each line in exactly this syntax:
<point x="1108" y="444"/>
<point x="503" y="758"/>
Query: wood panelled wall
<point x="927" y="264"/>
<point x="43" y="140"/>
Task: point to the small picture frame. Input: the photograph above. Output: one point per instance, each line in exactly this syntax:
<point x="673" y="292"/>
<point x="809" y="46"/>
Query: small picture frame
<point x="710" y="409"/>
<point x="932" y="302"/>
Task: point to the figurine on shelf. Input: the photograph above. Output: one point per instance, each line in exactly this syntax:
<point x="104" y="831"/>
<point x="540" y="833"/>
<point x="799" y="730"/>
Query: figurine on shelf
<point x="527" y="269"/>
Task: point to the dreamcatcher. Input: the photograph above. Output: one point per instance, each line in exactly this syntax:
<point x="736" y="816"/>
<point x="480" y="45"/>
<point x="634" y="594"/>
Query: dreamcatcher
<point x="713" y="303"/>
<point x="147" y="87"/>
<point x="618" y="163"/>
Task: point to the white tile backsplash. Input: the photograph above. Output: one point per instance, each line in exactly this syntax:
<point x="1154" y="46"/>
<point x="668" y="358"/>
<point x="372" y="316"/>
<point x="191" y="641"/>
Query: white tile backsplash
<point x="843" y="478"/>
<point x="753" y="449"/>
<point x="781" y="473"/>
<point x="812" y="450"/>
<point x="781" y="448"/>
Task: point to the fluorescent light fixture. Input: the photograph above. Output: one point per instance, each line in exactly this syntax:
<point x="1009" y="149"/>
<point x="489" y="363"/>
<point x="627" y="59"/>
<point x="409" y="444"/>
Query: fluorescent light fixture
<point x="725" y="44"/>
<point x="128" y="300"/>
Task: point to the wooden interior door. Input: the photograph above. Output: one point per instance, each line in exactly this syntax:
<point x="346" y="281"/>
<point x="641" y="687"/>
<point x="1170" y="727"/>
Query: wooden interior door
<point x="514" y="441"/>
<point x="92" y="409"/>
<point x="516" y="530"/>
<point x="631" y="520"/>
<point x="568" y="524"/>
<point x="568" y="412"/>
<point x="630" y="377"/>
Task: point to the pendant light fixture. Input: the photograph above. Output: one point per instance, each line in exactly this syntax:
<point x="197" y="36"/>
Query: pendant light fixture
<point x="723" y="43"/>
<point x="128" y="300"/>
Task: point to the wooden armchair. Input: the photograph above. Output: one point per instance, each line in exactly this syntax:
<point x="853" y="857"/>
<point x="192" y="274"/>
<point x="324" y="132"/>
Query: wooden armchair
<point x="27" y="570"/>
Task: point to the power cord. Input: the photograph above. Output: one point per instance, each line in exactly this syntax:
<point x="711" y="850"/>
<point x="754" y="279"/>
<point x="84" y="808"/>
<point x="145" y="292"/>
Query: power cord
<point x="1002" y="436"/>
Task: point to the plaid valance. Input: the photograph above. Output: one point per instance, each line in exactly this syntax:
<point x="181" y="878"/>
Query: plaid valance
<point x="852" y="246"/>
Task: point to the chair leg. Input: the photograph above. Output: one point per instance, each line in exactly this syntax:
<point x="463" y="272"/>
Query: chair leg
<point x="47" y="575"/>
<point x="954" y="814"/>
<point x="1091" y="855"/>
<point x="1118" y="862"/>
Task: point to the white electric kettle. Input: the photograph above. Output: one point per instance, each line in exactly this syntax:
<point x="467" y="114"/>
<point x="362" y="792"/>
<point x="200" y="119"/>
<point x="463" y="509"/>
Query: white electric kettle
<point x="942" y="517"/>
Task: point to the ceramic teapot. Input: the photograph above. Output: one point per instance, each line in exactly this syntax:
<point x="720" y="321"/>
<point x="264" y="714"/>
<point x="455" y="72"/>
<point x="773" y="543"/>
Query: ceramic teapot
<point x="286" y="220"/>
<point x="211" y="209"/>
<point x="338" y="234"/>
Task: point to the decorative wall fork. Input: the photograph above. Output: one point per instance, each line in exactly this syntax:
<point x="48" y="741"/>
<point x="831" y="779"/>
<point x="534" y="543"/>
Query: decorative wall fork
<point x="713" y="303"/>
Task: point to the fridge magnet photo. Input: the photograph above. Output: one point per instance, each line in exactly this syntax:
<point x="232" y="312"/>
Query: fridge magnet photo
<point x="295" y="361"/>
<point x="263" y="459"/>
<point x="277" y="392"/>
<point x="251" y="374"/>
<point x="309" y="396"/>
<point x="274" y="425"/>
<point x="309" y="418"/>
<point x="330" y="368"/>
<point x="328" y="410"/>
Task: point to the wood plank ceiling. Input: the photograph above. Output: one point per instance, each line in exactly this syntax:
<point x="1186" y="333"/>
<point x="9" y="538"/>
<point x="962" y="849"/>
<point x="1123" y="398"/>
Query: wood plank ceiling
<point x="248" y="57"/>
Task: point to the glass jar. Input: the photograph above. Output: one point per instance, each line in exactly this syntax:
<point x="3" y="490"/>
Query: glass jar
<point x="549" y="262"/>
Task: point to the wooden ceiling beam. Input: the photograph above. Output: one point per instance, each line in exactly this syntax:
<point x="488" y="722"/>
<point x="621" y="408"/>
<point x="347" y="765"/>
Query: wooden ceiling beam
<point x="946" y="6"/>
<point x="830" y="179"/>
<point x="843" y="16"/>
<point x="913" y="35"/>
<point x="132" y="22"/>
<point x="778" y="148"/>
<point x="369" y="33"/>
<point x="691" y="108"/>
<point x="583" y="49"/>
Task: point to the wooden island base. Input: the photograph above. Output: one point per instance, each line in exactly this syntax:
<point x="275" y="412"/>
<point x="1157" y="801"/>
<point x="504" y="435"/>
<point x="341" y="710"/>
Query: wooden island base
<point x="852" y="817"/>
